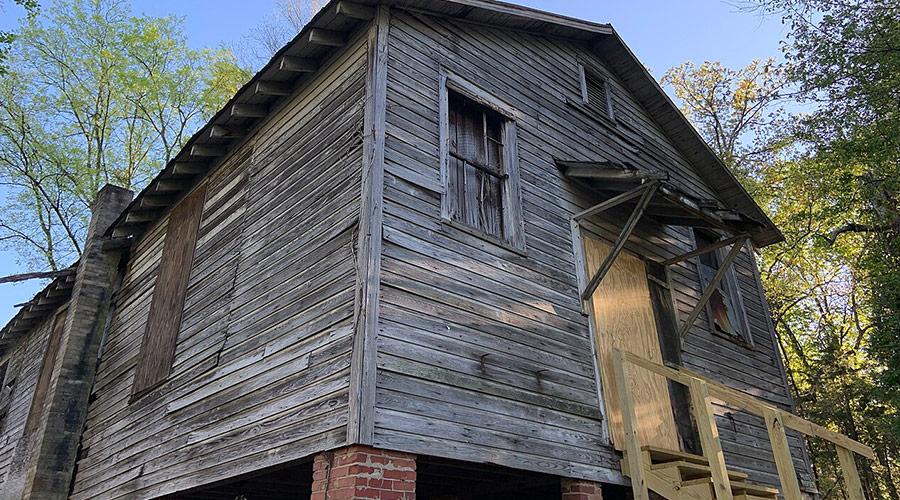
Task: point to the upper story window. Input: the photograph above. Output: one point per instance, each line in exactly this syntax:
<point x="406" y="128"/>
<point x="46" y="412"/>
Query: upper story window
<point x="725" y="309"/>
<point x="596" y="94"/>
<point x="479" y="163"/>
<point x="167" y="304"/>
<point x="476" y="169"/>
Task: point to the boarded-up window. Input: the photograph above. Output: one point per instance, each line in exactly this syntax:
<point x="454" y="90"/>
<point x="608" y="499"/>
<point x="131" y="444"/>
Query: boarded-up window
<point x="477" y="176"/>
<point x="596" y="95"/>
<point x="158" y="346"/>
<point x="39" y="400"/>
<point x="724" y="304"/>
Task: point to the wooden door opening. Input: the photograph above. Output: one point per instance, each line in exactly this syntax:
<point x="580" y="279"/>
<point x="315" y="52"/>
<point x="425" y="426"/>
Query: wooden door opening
<point x="623" y="317"/>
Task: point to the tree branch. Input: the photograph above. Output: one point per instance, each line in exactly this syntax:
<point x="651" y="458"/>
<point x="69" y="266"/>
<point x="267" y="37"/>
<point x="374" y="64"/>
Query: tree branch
<point x="852" y="227"/>
<point x="39" y="275"/>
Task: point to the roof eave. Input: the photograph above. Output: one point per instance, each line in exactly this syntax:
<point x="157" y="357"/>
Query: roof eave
<point x="682" y="133"/>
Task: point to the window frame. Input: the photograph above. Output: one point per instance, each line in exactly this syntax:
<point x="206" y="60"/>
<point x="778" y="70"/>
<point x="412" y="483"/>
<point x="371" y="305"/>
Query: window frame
<point x="184" y="225"/>
<point x="511" y="196"/>
<point x="729" y="281"/>
<point x="583" y="73"/>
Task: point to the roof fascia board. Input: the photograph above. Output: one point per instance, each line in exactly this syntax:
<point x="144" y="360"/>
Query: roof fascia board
<point x="530" y="14"/>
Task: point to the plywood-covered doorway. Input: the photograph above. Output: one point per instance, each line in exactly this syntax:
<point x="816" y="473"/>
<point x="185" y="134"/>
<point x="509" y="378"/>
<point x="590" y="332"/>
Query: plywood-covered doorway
<point x="623" y="317"/>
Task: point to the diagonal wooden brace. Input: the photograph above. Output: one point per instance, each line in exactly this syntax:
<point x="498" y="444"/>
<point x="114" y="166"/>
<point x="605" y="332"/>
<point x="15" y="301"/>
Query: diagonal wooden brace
<point x="709" y="248"/>
<point x="710" y="288"/>
<point x="649" y="190"/>
<point x="610" y="203"/>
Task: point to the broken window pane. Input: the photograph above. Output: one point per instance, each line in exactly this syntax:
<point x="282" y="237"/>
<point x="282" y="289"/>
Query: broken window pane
<point x="722" y="305"/>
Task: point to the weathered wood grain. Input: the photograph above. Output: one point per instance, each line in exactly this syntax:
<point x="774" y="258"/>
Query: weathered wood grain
<point x="448" y="297"/>
<point x="262" y="357"/>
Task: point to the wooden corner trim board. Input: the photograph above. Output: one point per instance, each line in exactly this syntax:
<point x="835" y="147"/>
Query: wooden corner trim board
<point x="361" y="425"/>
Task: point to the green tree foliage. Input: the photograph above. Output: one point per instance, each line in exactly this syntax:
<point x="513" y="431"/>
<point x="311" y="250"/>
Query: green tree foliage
<point x="845" y="57"/>
<point x="817" y="282"/>
<point x="94" y="94"/>
<point x="7" y="36"/>
<point x="733" y="110"/>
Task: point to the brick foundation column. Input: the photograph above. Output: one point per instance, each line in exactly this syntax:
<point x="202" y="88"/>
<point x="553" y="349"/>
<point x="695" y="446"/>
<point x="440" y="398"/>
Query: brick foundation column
<point x="579" y="489"/>
<point x="363" y="472"/>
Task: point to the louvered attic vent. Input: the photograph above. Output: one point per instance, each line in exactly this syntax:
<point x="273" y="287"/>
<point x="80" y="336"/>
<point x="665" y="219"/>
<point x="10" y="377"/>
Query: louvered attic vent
<point x="598" y="97"/>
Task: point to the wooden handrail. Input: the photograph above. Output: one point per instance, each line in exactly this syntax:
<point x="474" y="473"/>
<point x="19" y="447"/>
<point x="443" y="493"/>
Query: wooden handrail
<point x="751" y="404"/>
<point x="701" y="390"/>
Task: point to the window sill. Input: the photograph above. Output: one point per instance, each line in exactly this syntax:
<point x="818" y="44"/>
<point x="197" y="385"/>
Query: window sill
<point x="602" y="119"/>
<point x="735" y="339"/>
<point x="471" y="231"/>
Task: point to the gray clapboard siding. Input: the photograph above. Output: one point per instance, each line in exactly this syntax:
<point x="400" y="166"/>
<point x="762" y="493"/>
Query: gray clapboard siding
<point x="262" y="363"/>
<point x="464" y="321"/>
<point x="22" y="374"/>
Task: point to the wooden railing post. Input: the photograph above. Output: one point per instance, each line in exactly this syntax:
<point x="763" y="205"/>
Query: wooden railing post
<point x="790" y="486"/>
<point x="709" y="438"/>
<point x="777" y="422"/>
<point x="629" y="424"/>
<point x="851" y="473"/>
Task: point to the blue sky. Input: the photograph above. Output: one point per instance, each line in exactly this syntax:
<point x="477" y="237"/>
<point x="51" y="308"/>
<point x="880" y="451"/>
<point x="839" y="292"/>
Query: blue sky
<point x="662" y="33"/>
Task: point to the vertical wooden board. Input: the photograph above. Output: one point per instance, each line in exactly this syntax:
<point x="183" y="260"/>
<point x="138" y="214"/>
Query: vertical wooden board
<point x="851" y="474"/>
<point x="783" y="461"/>
<point x="709" y="439"/>
<point x="623" y="316"/>
<point x="43" y="384"/>
<point x="167" y="305"/>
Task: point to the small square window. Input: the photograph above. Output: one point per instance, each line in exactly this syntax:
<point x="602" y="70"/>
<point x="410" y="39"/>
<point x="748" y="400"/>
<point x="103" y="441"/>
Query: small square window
<point x="725" y="310"/>
<point x="479" y="163"/>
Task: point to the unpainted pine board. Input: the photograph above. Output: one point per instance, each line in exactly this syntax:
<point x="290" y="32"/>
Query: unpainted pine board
<point x="623" y="318"/>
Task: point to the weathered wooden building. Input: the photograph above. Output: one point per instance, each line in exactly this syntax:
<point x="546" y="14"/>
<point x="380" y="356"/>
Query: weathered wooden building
<point x="451" y="249"/>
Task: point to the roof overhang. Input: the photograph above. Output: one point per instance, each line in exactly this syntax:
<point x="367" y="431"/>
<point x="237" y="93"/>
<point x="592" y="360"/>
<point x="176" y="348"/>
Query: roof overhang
<point x="329" y="29"/>
<point x="36" y="310"/>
